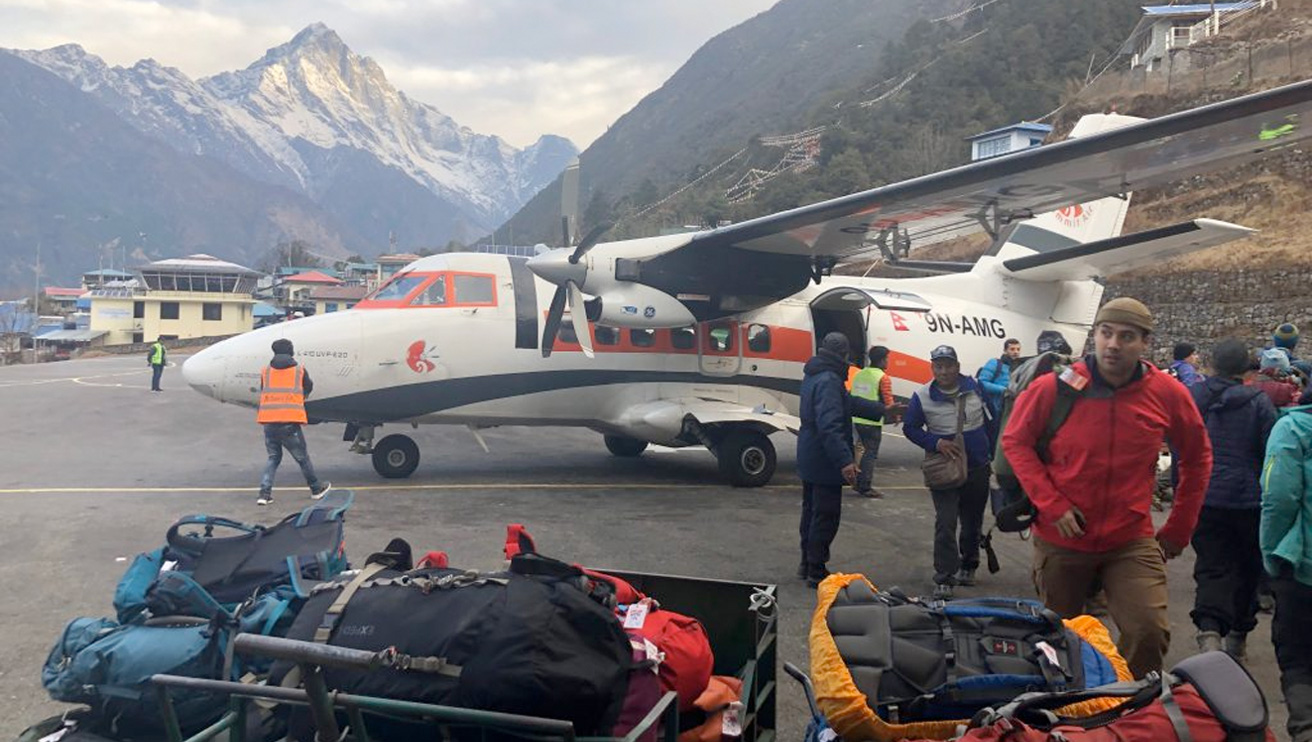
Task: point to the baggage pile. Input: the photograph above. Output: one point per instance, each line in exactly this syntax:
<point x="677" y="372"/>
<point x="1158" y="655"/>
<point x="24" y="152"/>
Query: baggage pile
<point x="397" y="647"/>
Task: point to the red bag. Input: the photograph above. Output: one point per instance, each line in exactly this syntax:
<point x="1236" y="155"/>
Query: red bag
<point x="519" y="540"/>
<point x="721" y="704"/>
<point x="688" y="662"/>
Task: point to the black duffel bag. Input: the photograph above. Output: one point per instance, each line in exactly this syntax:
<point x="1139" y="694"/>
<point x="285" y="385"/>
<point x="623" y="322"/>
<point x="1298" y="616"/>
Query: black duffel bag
<point x="535" y="640"/>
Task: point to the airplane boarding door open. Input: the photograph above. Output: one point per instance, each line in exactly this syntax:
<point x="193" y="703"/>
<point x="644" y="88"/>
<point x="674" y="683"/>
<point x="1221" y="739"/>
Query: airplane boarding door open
<point x="847" y="310"/>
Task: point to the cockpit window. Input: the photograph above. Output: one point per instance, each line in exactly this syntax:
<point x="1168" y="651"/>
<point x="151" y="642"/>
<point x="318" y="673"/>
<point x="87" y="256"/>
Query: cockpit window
<point x="398" y="288"/>
<point x="433" y="295"/>
<point x="472" y="288"/>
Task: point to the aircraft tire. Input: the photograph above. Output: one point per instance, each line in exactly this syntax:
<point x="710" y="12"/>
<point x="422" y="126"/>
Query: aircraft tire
<point x="624" y="447"/>
<point x="747" y="458"/>
<point x="396" y="456"/>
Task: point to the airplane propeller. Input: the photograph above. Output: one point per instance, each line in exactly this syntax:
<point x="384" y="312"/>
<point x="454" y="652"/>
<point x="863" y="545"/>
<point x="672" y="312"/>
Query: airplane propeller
<point x="568" y="273"/>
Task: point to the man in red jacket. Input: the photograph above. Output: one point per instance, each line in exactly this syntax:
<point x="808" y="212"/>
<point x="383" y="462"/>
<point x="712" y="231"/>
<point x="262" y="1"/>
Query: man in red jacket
<point x="1094" y="485"/>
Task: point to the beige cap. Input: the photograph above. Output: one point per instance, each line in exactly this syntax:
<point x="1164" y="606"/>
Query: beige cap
<point x="1126" y="311"/>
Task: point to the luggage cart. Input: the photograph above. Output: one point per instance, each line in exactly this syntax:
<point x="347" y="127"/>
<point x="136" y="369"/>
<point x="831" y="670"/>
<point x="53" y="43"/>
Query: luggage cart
<point x="817" y="729"/>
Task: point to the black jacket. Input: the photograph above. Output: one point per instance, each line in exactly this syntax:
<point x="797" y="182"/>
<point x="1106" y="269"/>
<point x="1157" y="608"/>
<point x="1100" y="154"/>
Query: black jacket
<point x="282" y="360"/>
<point x="1239" y="419"/>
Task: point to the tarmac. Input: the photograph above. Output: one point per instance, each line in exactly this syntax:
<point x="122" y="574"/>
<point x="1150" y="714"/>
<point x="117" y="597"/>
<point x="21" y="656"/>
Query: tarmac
<point x="96" y="468"/>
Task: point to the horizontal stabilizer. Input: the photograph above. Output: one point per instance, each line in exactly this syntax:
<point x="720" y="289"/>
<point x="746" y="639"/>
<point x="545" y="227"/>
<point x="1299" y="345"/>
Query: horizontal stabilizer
<point x="1124" y="253"/>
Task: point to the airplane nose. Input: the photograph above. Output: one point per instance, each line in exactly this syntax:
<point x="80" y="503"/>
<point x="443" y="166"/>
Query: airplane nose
<point x="204" y="373"/>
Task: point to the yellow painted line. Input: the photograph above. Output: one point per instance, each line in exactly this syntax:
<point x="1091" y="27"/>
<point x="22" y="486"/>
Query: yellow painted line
<point x="385" y="488"/>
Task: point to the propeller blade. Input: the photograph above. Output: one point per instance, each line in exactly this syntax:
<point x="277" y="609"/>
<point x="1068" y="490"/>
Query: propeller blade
<point x="589" y="240"/>
<point x="553" y="320"/>
<point x="569" y="202"/>
<point x="479" y="437"/>
<point x="579" y="314"/>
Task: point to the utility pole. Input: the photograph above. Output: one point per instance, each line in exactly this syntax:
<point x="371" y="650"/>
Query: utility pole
<point x="36" y="284"/>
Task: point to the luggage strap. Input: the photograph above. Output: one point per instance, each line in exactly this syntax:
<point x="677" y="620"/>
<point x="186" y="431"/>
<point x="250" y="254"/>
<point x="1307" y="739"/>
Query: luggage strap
<point x="1173" y="712"/>
<point x="334" y="612"/>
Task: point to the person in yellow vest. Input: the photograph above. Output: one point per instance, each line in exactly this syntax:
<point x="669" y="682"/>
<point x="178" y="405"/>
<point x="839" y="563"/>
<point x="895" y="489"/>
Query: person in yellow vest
<point x="284" y="385"/>
<point x="156" y="358"/>
<point x="874" y="384"/>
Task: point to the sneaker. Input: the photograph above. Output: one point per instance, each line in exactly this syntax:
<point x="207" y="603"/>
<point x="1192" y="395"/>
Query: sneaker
<point x="873" y="494"/>
<point x="966" y="578"/>
<point x="1236" y="645"/>
<point x="942" y="592"/>
<point x="265" y="498"/>
<point x="1266" y="603"/>
<point x="323" y="490"/>
<point x="1209" y="641"/>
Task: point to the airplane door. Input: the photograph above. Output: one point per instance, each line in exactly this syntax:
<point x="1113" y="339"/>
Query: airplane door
<point x="719" y="348"/>
<point x="847" y="310"/>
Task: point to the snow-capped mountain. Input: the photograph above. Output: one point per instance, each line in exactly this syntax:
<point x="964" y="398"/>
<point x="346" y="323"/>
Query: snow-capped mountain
<point x="314" y="116"/>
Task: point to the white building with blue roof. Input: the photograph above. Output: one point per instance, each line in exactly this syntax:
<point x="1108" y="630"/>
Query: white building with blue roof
<point x="1166" y="28"/>
<point x="1007" y="139"/>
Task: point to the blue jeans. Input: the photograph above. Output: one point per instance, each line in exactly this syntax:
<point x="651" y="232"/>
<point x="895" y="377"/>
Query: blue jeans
<point x="156" y="373"/>
<point x="871" y="435"/>
<point x="278" y="436"/>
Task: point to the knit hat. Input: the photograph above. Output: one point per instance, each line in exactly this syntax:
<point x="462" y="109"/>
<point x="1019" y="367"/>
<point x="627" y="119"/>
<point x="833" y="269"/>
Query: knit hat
<point x="283" y="347"/>
<point x="1051" y="341"/>
<point x="1274" y="358"/>
<point x="1230" y="357"/>
<point x="1126" y="311"/>
<point x="1286" y="335"/>
<point x="836" y="343"/>
<point x="1184" y="350"/>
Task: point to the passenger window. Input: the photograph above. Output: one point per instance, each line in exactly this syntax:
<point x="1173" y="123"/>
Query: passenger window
<point x="719" y="339"/>
<point x="684" y="338"/>
<point x="474" y="289"/>
<point x="758" y="338"/>
<point x="642" y="338"/>
<point x="565" y="333"/>
<point x="398" y="288"/>
<point x="432" y="296"/>
<point x="606" y="335"/>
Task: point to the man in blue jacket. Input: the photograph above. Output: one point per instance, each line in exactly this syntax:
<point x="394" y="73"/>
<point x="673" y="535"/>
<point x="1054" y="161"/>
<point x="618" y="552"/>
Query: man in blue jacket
<point x="825" y="459"/>
<point x="1286" y="540"/>
<point x="931" y="423"/>
<point x="1229" y="565"/>
<point x="995" y="374"/>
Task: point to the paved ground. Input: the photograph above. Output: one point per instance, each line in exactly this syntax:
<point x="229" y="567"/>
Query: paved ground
<point x="95" y="468"/>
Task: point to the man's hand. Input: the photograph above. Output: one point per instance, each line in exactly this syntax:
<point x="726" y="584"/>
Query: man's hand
<point x="849" y="475"/>
<point x="1071" y="524"/>
<point x="949" y="448"/>
<point x="1169" y="550"/>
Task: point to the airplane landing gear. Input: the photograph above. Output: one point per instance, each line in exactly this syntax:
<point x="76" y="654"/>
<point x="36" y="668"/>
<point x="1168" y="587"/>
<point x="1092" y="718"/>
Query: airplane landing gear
<point x="625" y="447"/>
<point x="747" y="458"/>
<point x="396" y="456"/>
<point x="361" y="437"/>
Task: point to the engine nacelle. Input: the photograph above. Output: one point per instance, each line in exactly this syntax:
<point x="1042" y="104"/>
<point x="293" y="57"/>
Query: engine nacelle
<point x="640" y="306"/>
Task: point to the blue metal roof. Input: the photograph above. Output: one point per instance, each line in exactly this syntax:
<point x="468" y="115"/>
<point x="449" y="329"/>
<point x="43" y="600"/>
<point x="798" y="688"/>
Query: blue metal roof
<point x="1195" y="9"/>
<point x="1022" y="126"/>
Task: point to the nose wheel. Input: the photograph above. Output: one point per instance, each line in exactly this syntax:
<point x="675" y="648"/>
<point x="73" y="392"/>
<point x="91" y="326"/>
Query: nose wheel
<point x="396" y="456"/>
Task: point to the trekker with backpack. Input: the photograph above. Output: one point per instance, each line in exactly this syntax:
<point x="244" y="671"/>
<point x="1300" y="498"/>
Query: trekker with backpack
<point x="950" y="420"/>
<point x="1093" y="485"/>
<point x="995" y="374"/>
<point x="1229" y="562"/>
<point x="1285" y="536"/>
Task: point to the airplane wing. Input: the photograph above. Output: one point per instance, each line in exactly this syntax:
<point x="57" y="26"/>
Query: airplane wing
<point x="994" y="192"/>
<point x="1127" y="252"/>
<point x="665" y="420"/>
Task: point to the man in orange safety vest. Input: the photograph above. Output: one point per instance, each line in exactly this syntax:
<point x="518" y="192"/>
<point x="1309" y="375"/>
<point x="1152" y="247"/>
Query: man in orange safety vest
<point x="284" y="385"/>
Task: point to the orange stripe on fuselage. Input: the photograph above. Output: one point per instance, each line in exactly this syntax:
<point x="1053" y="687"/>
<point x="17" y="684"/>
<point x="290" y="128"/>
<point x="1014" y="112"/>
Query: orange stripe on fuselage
<point x="904" y="366"/>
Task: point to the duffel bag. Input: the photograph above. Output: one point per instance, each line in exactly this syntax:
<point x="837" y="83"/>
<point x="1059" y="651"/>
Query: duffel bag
<point x="889" y="667"/>
<point x="1206" y="698"/>
<point x="309" y="545"/>
<point x="530" y="640"/>
<point x="687" y="660"/>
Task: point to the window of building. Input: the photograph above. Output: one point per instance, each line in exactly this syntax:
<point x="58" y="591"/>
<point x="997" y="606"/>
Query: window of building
<point x="138" y="337"/>
<point x="642" y="338"/>
<point x="758" y="338"/>
<point x="168" y="310"/>
<point x="994" y="147"/>
<point x="329" y="306"/>
<point x="606" y="335"/>
<point x="474" y="289"/>
<point x="684" y="338"/>
<point x="138" y="310"/>
<point x="719" y="338"/>
<point x="433" y="295"/>
<point x="211" y="311"/>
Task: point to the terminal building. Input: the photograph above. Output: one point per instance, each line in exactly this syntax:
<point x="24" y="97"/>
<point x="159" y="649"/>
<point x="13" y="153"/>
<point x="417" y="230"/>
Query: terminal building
<point x="191" y="297"/>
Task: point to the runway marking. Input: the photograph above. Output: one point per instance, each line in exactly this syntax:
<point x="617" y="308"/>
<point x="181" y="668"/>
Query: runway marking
<point x="384" y="487"/>
<point x="75" y="379"/>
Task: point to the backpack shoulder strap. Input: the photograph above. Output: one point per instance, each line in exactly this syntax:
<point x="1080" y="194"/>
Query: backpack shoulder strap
<point x="1061" y="409"/>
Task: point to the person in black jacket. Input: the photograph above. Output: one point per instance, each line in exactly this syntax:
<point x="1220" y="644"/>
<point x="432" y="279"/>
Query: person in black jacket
<point x="825" y="459"/>
<point x="1239" y="419"/>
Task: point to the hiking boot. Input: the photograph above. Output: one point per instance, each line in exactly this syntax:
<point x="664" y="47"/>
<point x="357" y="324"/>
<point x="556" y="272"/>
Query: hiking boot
<point x="966" y="578"/>
<point x="1266" y="603"/>
<point x="873" y="494"/>
<point x="265" y="498"/>
<point x="1209" y="641"/>
<point x="816" y="576"/>
<point x="942" y="592"/>
<point x="1236" y="645"/>
<point x="317" y="494"/>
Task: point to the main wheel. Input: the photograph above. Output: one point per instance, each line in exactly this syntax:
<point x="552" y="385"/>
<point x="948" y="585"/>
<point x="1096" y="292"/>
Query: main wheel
<point x="396" y="456"/>
<point x="747" y="458"/>
<point x="625" y="447"/>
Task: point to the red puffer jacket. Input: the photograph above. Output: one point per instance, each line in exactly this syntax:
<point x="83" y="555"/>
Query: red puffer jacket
<point x="1103" y="460"/>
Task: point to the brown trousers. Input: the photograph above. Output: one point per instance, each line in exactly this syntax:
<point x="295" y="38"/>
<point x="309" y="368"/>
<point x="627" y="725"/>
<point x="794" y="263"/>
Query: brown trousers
<point x="1134" y="579"/>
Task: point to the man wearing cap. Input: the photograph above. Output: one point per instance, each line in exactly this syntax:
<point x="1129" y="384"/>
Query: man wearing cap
<point x="1093" y="489"/>
<point x="931" y="422"/>
<point x="284" y="385"/>
<point x="825" y="457"/>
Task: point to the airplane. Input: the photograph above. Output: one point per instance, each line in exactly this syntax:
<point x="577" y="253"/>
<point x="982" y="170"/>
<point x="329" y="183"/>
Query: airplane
<point x="700" y="338"/>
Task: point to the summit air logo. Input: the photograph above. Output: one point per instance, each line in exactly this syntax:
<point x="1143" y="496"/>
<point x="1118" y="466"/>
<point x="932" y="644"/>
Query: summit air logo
<point x="1074" y="216"/>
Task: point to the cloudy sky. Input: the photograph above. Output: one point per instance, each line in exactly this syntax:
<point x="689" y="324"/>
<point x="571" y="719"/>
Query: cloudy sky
<point x="517" y="68"/>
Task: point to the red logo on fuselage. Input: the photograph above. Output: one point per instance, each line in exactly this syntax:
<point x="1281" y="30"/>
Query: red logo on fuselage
<point x="416" y="357"/>
<point x="1074" y="216"/>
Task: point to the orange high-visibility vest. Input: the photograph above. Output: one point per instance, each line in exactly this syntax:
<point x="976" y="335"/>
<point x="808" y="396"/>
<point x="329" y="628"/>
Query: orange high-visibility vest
<point x="282" y="395"/>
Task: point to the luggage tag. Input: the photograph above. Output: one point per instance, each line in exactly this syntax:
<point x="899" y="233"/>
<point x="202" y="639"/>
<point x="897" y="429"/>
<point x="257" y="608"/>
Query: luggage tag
<point x="636" y="617"/>
<point x="730" y="724"/>
<point x="1049" y="653"/>
<point x="1074" y="379"/>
